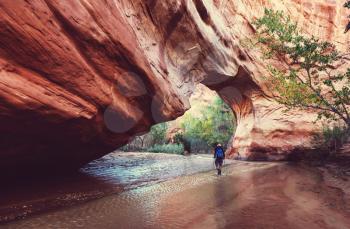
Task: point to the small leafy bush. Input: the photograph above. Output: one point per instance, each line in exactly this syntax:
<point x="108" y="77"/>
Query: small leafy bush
<point x="334" y="137"/>
<point x="167" y="148"/>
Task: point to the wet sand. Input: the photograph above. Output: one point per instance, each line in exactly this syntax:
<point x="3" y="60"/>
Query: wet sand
<point x="249" y="195"/>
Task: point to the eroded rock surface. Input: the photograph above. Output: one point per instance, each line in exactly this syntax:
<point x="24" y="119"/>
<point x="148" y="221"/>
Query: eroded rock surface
<point x="80" y="78"/>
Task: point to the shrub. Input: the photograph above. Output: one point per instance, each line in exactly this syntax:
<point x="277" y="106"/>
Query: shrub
<point x="167" y="148"/>
<point x="334" y="137"/>
<point x="158" y="133"/>
<point x="198" y="145"/>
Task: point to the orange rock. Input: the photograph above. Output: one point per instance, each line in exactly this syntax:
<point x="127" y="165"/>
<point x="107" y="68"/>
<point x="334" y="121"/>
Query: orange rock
<point x="81" y="78"/>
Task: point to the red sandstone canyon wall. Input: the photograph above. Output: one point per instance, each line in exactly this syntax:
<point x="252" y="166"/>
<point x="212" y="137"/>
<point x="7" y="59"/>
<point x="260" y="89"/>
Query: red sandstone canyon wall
<point x="80" y="78"/>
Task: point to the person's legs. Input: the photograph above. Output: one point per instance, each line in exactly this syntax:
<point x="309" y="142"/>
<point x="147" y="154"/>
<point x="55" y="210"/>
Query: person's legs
<point x="217" y="164"/>
<point x="220" y="165"/>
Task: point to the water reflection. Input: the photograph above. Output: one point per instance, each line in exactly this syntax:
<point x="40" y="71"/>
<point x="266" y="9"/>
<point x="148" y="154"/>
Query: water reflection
<point x="249" y="196"/>
<point x="137" y="169"/>
<point x="111" y="174"/>
<point x="220" y="196"/>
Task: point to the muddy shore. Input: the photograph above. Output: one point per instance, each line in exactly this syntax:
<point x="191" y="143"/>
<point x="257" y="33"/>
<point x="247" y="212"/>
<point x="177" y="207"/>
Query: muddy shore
<point x="249" y="195"/>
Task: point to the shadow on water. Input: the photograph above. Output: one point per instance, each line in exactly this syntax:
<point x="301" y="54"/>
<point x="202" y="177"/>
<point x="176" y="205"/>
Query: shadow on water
<point x="24" y="197"/>
<point x="111" y="174"/>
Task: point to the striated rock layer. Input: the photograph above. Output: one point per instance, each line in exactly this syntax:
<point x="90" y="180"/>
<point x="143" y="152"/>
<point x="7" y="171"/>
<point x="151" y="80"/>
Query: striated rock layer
<point x="80" y="78"/>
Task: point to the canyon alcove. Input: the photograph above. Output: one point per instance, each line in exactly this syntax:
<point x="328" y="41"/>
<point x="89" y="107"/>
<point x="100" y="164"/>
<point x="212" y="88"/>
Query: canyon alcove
<point x="111" y="112"/>
<point x="79" y="79"/>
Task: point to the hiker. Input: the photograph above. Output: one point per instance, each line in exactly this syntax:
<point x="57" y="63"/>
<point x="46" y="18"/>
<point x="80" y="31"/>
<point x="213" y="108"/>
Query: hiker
<point x="219" y="155"/>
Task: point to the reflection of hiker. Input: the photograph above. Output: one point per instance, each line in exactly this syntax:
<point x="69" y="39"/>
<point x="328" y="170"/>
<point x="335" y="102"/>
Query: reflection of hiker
<point x="219" y="156"/>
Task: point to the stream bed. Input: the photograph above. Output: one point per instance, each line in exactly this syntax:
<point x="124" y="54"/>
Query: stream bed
<point x="171" y="193"/>
<point x="112" y="174"/>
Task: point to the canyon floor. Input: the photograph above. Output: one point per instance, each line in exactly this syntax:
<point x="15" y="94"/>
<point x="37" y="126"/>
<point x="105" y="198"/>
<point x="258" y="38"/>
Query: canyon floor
<point x="112" y="174"/>
<point x="146" y="195"/>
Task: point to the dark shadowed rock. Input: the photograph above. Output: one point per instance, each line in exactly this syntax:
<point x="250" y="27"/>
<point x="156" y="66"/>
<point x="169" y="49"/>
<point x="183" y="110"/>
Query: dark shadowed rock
<point x="81" y="78"/>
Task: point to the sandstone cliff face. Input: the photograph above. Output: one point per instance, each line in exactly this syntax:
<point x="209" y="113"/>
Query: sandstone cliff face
<point x="80" y="78"/>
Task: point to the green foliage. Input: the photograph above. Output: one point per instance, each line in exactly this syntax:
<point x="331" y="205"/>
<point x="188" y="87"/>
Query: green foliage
<point x="215" y="125"/>
<point x="178" y="138"/>
<point x="335" y="136"/>
<point x="335" y="133"/>
<point x="306" y="78"/>
<point x="198" y="145"/>
<point x="167" y="148"/>
<point x="158" y="133"/>
<point x="200" y="133"/>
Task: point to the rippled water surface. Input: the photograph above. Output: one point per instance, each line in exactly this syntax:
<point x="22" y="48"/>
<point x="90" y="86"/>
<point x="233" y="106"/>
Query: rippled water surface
<point x="137" y="169"/>
<point x="248" y="195"/>
<point x="112" y="174"/>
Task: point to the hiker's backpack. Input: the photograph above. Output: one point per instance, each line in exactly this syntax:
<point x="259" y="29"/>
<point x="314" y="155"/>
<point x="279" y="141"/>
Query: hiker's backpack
<point x="219" y="152"/>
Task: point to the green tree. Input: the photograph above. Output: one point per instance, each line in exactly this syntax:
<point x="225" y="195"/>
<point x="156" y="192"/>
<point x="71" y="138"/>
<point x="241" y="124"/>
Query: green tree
<point x="307" y="78"/>
<point x="214" y="125"/>
<point x="158" y="133"/>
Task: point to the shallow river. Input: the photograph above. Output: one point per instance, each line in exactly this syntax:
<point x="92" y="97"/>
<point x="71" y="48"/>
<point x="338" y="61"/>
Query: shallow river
<point x="137" y="169"/>
<point x="112" y="174"/>
<point x="248" y="195"/>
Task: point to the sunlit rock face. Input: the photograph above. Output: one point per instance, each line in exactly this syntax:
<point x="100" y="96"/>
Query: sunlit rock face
<point x="80" y="78"/>
<point x="264" y="131"/>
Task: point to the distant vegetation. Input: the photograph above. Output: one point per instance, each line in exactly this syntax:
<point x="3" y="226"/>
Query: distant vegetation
<point x="309" y="76"/>
<point x="215" y="124"/>
<point x="151" y="141"/>
<point x="158" y="133"/>
<point x="335" y="137"/>
<point x="167" y="148"/>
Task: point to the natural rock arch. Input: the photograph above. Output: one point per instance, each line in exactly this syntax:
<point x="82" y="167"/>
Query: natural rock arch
<point x="265" y="131"/>
<point x="70" y="70"/>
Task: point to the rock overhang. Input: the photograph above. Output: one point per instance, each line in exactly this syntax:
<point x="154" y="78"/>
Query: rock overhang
<point x="81" y="78"/>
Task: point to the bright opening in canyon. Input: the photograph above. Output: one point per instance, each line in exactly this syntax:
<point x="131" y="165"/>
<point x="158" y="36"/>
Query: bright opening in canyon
<point x="209" y="121"/>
